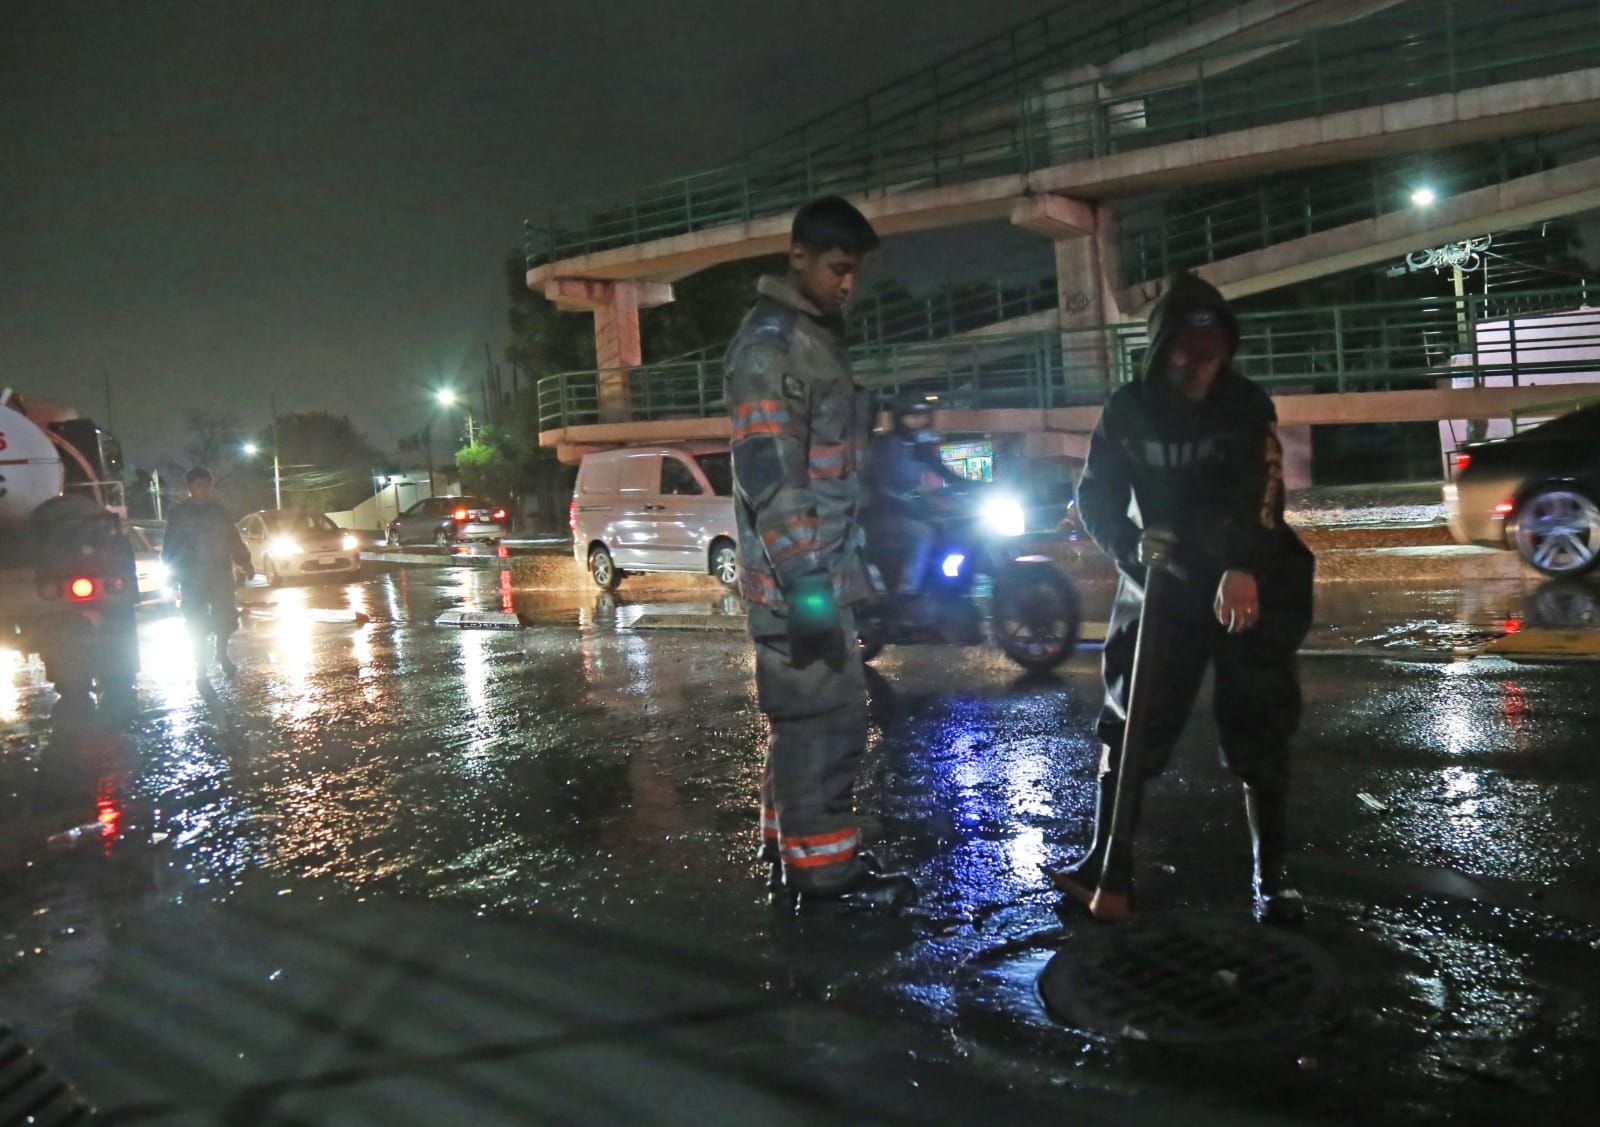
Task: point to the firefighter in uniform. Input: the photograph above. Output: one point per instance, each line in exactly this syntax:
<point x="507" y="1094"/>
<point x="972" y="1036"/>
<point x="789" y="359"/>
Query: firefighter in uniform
<point x="1193" y="446"/>
<point x="799" y="427"/>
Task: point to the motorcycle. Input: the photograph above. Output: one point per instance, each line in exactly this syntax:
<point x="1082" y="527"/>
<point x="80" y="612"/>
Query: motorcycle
<point x="977" y="589"/>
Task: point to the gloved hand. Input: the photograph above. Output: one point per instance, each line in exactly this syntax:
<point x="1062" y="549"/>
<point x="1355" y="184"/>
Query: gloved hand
<point x="1156" y="546"/>
<point x="815" y="630"/>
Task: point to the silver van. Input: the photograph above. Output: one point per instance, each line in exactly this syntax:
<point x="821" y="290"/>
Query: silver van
<point x="655" y="508"/>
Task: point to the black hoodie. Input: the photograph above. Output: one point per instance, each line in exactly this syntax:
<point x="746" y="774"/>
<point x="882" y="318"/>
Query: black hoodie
<point x="1210" y="470"/>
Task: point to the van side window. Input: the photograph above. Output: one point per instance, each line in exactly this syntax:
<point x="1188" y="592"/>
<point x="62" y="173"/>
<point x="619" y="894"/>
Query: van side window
<point x="676" y="480"/>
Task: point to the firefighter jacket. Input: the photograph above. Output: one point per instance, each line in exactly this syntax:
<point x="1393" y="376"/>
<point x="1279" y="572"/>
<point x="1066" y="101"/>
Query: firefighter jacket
<point x="799" y="430"/>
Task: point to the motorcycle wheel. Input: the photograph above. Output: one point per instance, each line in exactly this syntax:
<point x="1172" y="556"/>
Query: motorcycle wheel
<point x="1037" y="615"/>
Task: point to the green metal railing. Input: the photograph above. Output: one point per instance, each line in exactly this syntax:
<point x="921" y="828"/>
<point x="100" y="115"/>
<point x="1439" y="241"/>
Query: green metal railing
<point x="1371" y="347"/>
<point x="1020" y="114"/>
<point x="1182" y="232"/>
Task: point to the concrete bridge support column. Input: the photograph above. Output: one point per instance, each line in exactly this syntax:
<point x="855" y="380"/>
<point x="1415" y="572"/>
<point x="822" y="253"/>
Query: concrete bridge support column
<point x="1087" y="278"/>
<point x="617" y="351"/>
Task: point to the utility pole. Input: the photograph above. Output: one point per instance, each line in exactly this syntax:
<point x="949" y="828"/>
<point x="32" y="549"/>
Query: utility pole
<point x="155" y="488"/>
<point x="109" y="425"/>
<point x="277" y="476"/>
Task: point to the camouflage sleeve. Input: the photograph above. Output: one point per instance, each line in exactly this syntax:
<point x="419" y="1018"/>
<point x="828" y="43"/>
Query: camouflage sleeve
<point x="771" y="439"/>
<point x="1255" y="485"/>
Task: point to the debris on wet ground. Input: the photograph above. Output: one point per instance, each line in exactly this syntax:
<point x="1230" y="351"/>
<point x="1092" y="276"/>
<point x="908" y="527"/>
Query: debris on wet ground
<point x="1373" y="803"/>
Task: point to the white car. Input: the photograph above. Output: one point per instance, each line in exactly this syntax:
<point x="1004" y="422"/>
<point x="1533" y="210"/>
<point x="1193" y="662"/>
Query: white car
<point x="287" y="544"/>
<point x="655" y="508"/>
<point x="155" y="581"/>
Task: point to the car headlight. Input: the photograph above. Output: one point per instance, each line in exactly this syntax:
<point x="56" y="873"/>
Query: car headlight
<point x="160" y="577"/>
<point x="283" y="546"/>
<point x="1003" y="515"/>
<point x="349" y="543"/>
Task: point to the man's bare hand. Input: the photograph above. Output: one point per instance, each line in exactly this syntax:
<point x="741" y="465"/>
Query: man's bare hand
<point x="1238" y="602"/>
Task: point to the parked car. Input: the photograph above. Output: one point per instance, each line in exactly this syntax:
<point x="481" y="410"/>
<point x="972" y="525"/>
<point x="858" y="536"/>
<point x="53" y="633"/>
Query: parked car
<point x="155" y="581"/>
<point x="655" y="508"/>
<point x="289" y="544"/>
<point x="1537" y="492"/>
<point x="443" y="521"/>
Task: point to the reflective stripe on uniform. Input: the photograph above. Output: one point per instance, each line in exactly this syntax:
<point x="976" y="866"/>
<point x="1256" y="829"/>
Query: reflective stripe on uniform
<point x="760" y="416"/>
<point x="796" y="537"/>
<point x="830" y="461"/>
<point x="816" y="850"/>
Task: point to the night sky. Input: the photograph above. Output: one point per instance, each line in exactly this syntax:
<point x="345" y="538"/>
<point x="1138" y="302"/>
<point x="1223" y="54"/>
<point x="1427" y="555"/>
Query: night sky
<point x="207" y="201"/>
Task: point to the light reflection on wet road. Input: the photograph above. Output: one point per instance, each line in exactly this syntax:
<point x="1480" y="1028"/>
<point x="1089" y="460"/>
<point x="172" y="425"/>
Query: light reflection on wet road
<point x="606" y="775"/>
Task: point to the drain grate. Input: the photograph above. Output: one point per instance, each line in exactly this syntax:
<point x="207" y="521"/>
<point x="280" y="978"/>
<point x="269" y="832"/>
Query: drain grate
<point x="30" y="1092"/>
<point x="1190" y="980"/>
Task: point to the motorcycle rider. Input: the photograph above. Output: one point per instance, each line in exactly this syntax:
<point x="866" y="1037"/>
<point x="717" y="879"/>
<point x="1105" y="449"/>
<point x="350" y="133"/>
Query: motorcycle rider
<point x="202" y="546"/>
<point x="1193" y="446"/>
<point x="904" y="469"/>
<point x="798" y="429"/>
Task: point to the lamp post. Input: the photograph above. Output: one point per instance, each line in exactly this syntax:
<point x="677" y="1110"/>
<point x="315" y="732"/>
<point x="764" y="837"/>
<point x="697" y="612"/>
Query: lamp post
<point x="447" y="398"/>
<point x="250" y="450"/>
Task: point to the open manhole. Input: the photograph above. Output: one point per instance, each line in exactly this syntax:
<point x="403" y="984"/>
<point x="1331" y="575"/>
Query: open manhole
<point x="1190" y="980"/>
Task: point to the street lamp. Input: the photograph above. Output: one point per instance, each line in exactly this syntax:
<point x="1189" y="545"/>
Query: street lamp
<point x="250" y="450"/>
<point x="1424" y="196"/>
<point x="447" y="398"/>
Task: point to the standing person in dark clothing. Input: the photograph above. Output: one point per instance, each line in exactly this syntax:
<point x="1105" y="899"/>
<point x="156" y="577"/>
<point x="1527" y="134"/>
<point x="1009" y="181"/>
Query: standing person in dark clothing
<point x="1185" y="472"/>
<point x="799" y="428"/>
<point x="202" y="547"/>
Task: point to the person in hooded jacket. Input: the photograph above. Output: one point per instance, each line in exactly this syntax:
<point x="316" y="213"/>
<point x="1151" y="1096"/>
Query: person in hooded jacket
<point x="1185" y="472"/>
<point x="202" y="547"/>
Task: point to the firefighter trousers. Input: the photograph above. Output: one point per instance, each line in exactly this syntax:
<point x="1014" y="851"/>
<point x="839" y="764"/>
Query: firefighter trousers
<point x="818" y="716"/>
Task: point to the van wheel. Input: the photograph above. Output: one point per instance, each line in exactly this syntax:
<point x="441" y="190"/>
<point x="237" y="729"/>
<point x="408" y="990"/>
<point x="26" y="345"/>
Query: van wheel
<point x="725" y="563"/>
<point x="603" y="570"/>
<point x="442" y="539"/>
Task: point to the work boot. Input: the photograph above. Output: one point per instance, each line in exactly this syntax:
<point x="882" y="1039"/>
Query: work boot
<point x="877" y="890"/>
<point x="1276" y="900"/>
<point x="229" y="669"/>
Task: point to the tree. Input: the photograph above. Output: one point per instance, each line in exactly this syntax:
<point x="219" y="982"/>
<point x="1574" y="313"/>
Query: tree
<point x="212" y="434"/>
<point x="325" y="463"/>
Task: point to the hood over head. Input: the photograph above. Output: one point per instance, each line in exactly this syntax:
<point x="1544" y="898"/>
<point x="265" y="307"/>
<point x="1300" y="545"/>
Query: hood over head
<point x="1192" y="304"/>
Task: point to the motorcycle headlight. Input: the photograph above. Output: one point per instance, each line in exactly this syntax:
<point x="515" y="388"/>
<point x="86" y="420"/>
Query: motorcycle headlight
<point x="283" y="546"/>
<point x="1003" y="515"/>
<point x="159" y="575"/>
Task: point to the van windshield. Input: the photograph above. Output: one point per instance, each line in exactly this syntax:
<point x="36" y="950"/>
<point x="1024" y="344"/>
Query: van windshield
<point x="718" y="468"/>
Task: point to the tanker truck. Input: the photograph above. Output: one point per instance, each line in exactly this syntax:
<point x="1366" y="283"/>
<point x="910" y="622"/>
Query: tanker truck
<point x="68" y="586"/>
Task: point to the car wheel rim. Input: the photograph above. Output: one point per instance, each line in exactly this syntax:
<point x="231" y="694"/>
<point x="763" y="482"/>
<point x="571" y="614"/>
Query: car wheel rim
<point x="727" y="567"/>
<point x="1559" y="531"/>
<point x="600" y="566"/>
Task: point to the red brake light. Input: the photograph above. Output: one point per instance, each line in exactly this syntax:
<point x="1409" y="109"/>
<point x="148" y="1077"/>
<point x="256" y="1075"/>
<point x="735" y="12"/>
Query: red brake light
<point x="1459" y="462"/>
<point x="1504" y="507"/>
<point x="461" y="514"/>
<point x="82" y="588"/>
<point x="499" y="514"/>
<point x="572" y="516"/>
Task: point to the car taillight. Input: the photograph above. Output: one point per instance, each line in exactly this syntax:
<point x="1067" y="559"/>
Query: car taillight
<point x="499" y="514"/>
<point x="572" y="517"/>
<point x="1504" y="507"/>
<point x="461" y="514"/>
<point x="82" y="588"/>
<point x="1459" y="462"/>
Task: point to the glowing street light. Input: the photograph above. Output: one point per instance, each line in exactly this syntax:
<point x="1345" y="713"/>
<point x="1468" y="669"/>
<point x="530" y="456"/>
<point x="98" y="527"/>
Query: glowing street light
<point x="1424" y="196"/>
<point x="446" y="397"/>
<point x="250" y="449"/>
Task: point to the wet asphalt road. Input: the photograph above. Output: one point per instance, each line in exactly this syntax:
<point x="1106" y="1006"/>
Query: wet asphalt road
<point x="403" y="873"/>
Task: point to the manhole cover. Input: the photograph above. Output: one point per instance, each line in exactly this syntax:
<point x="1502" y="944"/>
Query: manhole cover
<point x="1189" y="980"/>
